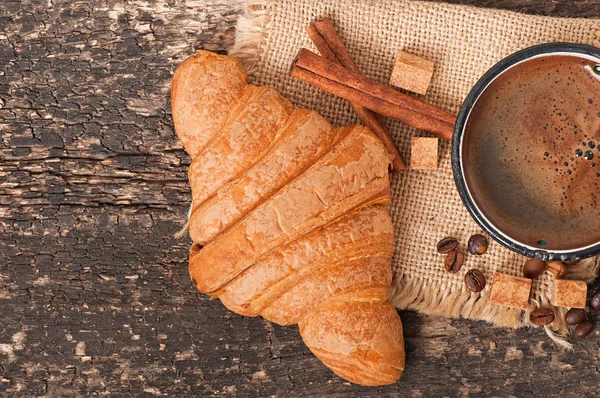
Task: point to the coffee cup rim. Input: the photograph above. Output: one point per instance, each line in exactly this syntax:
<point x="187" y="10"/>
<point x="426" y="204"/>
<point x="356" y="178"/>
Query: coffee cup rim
<point x="457" y="140"/>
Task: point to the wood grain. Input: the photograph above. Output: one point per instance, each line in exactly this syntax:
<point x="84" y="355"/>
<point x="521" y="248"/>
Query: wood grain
<point x="95" y="297"/>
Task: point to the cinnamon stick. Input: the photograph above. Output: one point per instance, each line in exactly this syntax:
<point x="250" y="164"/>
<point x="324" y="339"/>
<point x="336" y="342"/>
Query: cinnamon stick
<point x="384" y="100"/>
<point x="308" y="60"/>
<point x="330" y="45"/>
<point x="322" y="44"/>
<point x="327" y="30"/>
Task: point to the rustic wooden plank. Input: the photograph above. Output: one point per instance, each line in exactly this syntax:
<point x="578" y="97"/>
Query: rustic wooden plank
<point x="94" y="292"/>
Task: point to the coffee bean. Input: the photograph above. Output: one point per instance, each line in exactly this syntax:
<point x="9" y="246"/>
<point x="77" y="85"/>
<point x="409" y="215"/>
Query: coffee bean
<point x="557" y="268"/>
<point x="542" y="316"/>
<point x="478" y="244"/>
<point x="575" y="316"/>
<point x="454" y="261"/>
<point x="583" y="329"/>
<point x="595" y="302"/>
<point x="475" y="280"/>
<point x="533" y="268"/>
<point x="572" y="262"/>
<point x="446" y="245"/>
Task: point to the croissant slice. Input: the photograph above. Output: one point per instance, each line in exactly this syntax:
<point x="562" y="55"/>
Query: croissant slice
<point x="244" y="138"/>
<point x="354" y="173"/>
<point x="359" y="339"/>
<point x="361" y="233"/>
<point x="288" y="217"/>
<point x="362" y="275"/>
<point x="205" y="88"/>
<point x="305" y="138"/>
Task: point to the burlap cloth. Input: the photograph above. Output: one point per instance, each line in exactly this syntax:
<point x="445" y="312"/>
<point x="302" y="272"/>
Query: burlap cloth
<point x="464" y="42"/>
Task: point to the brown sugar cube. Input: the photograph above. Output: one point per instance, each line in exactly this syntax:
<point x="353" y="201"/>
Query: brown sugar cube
<point x="411" y="73"/>
<point x="424" y="153"/>
<point x="569" y="293"/>
<point x="510" y="291"/>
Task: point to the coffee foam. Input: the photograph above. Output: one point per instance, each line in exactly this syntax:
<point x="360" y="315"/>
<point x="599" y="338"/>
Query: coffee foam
<point x="531" y="152"/>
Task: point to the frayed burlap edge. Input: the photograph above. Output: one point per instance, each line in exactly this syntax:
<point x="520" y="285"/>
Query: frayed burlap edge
<point x="251" y="44"/>
<point x="252" y="34"/>
<point x="456" y="303"/>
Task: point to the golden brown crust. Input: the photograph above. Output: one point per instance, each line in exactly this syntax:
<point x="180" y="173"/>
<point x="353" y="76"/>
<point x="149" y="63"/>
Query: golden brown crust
<point x="360" y="341"/>
<point x="304" y="139"/>
<point x="245" y="137"/>
<point x="353" y="174"/>
<point x="351" y="277"/>
<point x="291" y="213"/>
<point x="204" y="89"/>
<point x="365" y="232"/>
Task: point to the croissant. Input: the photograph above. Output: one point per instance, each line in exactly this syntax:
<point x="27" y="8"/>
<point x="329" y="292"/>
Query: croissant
<point x="288" y="217"/>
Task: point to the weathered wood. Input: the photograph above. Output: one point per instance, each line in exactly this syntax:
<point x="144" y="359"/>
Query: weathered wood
<point x="94" y="292"/>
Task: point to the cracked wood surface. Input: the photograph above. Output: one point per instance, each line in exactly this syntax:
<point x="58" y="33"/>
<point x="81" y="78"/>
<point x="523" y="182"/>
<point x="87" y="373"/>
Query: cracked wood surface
<point x="95" y="298"/>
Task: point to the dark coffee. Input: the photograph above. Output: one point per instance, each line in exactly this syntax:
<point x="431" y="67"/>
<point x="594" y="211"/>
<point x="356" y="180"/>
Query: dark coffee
<point x="531" y="152"/>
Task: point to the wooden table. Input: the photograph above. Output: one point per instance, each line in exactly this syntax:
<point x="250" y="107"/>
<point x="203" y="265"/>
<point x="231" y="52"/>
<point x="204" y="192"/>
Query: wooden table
<point x="95" y="297"/>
